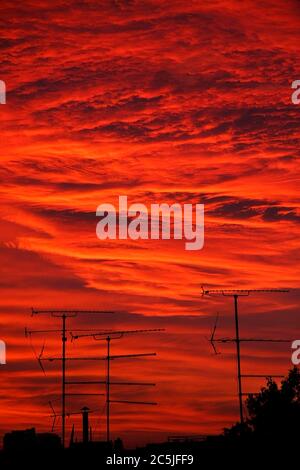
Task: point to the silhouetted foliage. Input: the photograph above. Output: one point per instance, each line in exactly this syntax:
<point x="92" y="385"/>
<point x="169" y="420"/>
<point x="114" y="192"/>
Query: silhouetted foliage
<point x="273" y="413"/>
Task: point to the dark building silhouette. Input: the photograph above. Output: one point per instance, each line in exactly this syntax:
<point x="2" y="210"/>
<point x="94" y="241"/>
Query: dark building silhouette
<point x="28" y="439"/>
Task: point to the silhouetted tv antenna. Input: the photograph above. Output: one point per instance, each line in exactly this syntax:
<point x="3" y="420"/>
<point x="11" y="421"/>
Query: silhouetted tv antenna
<point x="236" y="293"/>
<point x="63" y="315"/>
<point x="54" y="416"/>
<point x="213" y="340"/>
<point x="108" y="336"/>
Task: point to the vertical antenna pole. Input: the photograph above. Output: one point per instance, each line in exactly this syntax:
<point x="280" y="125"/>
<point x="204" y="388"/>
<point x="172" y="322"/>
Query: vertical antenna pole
<point x="108" y="336"/>
<point x="108" y="392"/>
<point x="63" y="396"/>
<point x="63" y="314"/>
<point x="235" y="293"/>
<point x="238" y="355"/>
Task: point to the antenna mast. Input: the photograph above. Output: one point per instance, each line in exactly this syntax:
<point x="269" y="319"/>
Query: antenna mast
<point x="108" y="336"/>
<point x="235" y="294"/>
<point x="63" y="315"/>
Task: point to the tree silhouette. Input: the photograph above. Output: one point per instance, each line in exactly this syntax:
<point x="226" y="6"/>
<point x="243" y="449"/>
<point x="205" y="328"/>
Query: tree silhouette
<point x="273" y="413"/>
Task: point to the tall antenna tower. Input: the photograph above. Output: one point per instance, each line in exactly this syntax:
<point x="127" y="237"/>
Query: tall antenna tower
<point x="108" y="336"/>
<point x="63" y="315"/>
<point x="235" y="294"/>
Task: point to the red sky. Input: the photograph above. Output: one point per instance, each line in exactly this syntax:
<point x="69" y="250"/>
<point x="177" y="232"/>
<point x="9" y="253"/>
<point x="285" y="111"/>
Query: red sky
<point x="163" y="102"/>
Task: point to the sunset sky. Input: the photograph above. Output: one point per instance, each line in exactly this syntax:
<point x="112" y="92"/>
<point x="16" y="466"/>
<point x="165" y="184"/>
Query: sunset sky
<point x="178" y="101"/>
